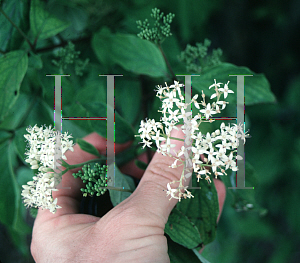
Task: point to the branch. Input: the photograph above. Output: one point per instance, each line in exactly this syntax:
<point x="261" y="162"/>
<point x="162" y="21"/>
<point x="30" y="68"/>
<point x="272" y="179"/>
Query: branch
<point x="64" y="43"/>
<point x="167" y="62"/>
<point x="20" y="31"/>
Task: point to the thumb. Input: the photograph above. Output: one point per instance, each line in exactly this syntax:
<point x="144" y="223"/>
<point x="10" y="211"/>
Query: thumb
<point x="150" y="191"/>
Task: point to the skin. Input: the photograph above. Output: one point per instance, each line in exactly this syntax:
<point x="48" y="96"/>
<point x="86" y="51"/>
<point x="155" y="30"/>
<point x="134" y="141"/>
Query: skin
<point x="133" y="231"/>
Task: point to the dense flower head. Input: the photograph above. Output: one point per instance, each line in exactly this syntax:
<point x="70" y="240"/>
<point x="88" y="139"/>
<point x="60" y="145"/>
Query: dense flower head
<point x="42" y="145"/>
<point x="38" y="193"/>
<point x="218" y="148"/>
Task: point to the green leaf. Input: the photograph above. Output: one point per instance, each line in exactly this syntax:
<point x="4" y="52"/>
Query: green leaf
<point x="121" y="181"/>
<point x="18" y="112"/>
<point x="130" y="52"/>
<point x="13" y="67"/>
<point x="75" y="14"/>
<point x="28" y="110"/>
<point x="257" y="88"/>
<point x="20" y="142"/>
<point x="4" y="135"/>
<point x="87" y="147"/>
<point x="180" y="254"/>
<point x="9" y="190"/>
<point x="6" y="28"/>
<point x="24" y="174"/>
<point x="123" y="130"/>
<point x="35" y="61"/>
<point x="128" y="106"/>
<point x="203" y="209"/>
<point x="12" y="210"/>
<point x="17" y="11"/>
<point x="94" y="87"/>
<point x="43" y="24"/>
<point x="200" y="257"/>
<point x="244" y="200"/>
<point x="181" y="230"/>
<point x="293" y="93"/>
<point x="20" y="241"/>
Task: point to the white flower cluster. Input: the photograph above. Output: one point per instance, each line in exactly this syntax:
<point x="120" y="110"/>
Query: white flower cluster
<point x="218" y="147"/>
<point x="41" y="151"/>
<point x="38" y="193"/>
<point x="41" y="156"/>
<point x="173" y="192"/>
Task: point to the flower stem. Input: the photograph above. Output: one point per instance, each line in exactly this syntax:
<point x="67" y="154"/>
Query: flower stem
<point x="174" y="138"/>
<point x="70" y="167"/>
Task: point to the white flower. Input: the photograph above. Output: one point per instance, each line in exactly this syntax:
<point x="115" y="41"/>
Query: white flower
<point x="184" y="114"/>
<point x="197" y="151"/>
<point x="215" y="163"/>
<point x="226" y="90"/>
<point x="230" y="162"/>
<point x="170" y="100"/>
<point x="173" y="115"/>
<point x="210" y="154"/>
<point x="243" y="136"/>
<point x="171" y="191"/>
<point x="157" y="138"/>
<point x="223" y="136"/>
<point x="216" y="85"/>
<point x="223" y="103"/>
<point x="208" y="111"/>
<point x="146" y="143"/>
<point x="207" y="142"/>
<point x="194" y="100"/>
<point x="174" y="165"/>
<point x="160" y="89"/>
<point x="214" y="95"/>
<point x="145" y="129"/>
<point x="167" y="146"/>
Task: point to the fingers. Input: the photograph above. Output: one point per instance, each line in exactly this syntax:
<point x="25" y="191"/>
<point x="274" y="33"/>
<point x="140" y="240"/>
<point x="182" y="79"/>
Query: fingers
<point x="72" y="196"/>
<point x="221" y="189"/>
<point x="150" y="192"/>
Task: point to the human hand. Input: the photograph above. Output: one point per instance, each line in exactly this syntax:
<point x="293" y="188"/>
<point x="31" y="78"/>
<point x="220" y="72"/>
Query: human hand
<point x="133" y="231"/>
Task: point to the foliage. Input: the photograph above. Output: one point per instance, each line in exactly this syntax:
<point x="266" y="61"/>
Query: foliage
<point x="88" y="38"/>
